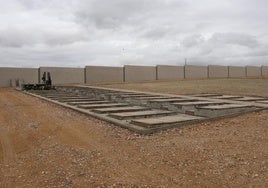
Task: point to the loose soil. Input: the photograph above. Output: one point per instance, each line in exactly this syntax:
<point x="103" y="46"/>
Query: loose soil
<point x="258" y="87"/>
<point x="45" y="145"/>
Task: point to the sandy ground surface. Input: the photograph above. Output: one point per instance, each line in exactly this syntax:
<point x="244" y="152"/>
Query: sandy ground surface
<point x="258" y="87"/>
<point x="44" y="145"/>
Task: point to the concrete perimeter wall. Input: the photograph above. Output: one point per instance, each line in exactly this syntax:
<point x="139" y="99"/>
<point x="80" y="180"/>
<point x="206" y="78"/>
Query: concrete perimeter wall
<point x="165" y="72"/>
<point x="215" y="71"/>
<point x="26" y="75"/>
<point x="237" y="72"/>
<point x="192" y="71"/>
<point x="62" y="75"/>
<point x="264" y="70"/>
<point x="139" y="73"/>
<point x="128" y="73"/>
<point x="252" y="71"/>
<point x="98" y="74"/>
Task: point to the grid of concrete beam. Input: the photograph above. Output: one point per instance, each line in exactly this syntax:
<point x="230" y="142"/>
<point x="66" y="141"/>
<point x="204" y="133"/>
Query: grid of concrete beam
<point x="145" y="112"/>
<point x="128" y="73"/>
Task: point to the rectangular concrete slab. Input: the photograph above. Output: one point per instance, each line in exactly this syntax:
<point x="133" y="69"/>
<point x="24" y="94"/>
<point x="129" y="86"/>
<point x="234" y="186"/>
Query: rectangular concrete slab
<point x="165" y="72"/>
<point x="195" y="103"/>
<point x="170" y="100"/>
<point x="206" y="95"/>
<point x="195" y="72"/>
<point x="158" y="121"/>
<point x="216" y="71"/>
<point x="264" y="102"/>
<point x="66" y="98"/>
<point x="126" y="115"/>
<point x="223" y="110"/>
<point x="264" y="71"/>
<point x="226" y="97"/>
<point x="26" y="75"/>
<point x="99" y="74"/>
<point x="75" y="100"/>
<point x="150" y="98"/>
<point x="237" y="72"/>
<point x="250" y="99"/>
<point x="119" y="109"/>
<point x="110" y="105"/>
<point x="147" y="97"/>
<point x="224" y="106"/>
<point x="133" y="96"/>
<point x="139" y="73"/>
<point x="54" y="94"/>
<point x="90" y="102"/>
<point x="254" y="72"/>
<point x="59" y="94"/>
<point x="64" y="75"/>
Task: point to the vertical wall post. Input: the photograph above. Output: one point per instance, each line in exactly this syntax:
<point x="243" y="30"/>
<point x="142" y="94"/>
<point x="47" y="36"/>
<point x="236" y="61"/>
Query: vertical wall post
<point x="156" y="73"/>
<point x="208" y="71"/>
<point x="85" y="75"/>
<point x="184" y="71"/>
<point x="124" y="73"/>
<point x="39" y="74"/>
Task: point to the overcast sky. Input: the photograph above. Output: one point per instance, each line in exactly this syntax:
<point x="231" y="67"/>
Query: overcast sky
<point x="76" y="33"/>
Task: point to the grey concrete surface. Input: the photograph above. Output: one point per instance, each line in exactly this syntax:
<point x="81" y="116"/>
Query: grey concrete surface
<point x="109" y="105"/>
<point x="99" y="74"/>
<point x="63" y="75"/>
<point x="119" y="109"/>
<point x="165" y="72"/>
<point x="139" y="114"/>
<point x="254" y="72"/>
<point x="153" y="119"/>
<point x="195" y="72"/>
<point x="216" y="71"/>
<point x="139" y="73"/>
<point x="8" y="76"/>
<point x="156" y="121"/>
<point x="237" y="72"/>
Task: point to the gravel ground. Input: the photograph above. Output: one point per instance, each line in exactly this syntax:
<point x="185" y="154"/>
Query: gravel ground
<point x="44" y="145"/>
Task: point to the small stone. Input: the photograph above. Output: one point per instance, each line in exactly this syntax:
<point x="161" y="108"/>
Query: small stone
<point x="255" y="175"/>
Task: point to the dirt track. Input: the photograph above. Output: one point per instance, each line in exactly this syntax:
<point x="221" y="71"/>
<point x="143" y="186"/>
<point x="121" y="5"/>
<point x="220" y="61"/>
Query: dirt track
<point x="43" y="145"/>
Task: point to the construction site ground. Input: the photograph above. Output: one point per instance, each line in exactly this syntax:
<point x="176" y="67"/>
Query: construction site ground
<point x="45" y="145"/>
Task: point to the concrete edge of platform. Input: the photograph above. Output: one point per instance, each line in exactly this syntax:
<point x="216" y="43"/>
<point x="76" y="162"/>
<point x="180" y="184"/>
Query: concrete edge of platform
<point x="138" y="129"/>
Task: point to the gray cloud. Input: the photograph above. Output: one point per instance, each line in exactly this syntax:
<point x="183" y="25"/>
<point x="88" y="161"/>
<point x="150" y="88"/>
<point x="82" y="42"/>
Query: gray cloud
<point x="235" y="39"/>
<point x="149" y="32"/>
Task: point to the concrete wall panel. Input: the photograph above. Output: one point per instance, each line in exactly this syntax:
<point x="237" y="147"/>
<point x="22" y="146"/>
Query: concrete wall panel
<point x="237" y="72"/>
<point x="98" y="74"/>
<point x="215" y="71"/>
<point x="26" y="75"/>
<point x="165" y="72"/>
<point x="194" y="72"/>
<point x="253" y="71"/>
<point x="62" y="75"/>
<point x="264" y="71"/>
<point x="139" y="73"/>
